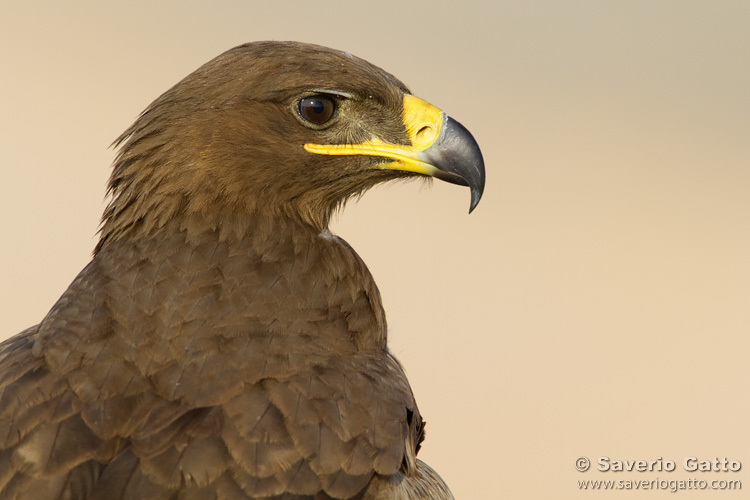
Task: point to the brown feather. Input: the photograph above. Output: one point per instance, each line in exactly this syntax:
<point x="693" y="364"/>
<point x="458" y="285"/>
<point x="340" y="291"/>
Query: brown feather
<point x="222" y="343"/>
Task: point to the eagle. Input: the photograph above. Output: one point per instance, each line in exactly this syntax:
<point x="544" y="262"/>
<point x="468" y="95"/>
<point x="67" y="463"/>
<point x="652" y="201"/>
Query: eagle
<point x="222" y="343"/>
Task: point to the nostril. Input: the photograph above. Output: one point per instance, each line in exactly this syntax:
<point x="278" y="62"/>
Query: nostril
<point x="425" y="134"/>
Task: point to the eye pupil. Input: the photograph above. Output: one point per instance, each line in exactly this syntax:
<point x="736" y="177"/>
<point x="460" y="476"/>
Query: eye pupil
<point x="317" y="109"/>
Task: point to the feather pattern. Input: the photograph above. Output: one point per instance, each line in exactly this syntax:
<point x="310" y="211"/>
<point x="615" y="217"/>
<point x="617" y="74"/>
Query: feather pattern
<point x="218" y="346"/>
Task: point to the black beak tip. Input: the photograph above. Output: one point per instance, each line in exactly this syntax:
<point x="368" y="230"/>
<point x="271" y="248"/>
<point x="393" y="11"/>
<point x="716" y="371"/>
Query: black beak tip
<point x="458" y="159"/>
<point x="476" y="195"/>
<point x="470" y="164"/>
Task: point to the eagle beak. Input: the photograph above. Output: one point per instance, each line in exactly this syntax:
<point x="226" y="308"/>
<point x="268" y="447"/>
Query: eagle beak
<point x="439" y="147"/>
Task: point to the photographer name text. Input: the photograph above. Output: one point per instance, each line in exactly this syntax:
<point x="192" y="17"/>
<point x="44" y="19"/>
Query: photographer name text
<point x="689" y="464"/>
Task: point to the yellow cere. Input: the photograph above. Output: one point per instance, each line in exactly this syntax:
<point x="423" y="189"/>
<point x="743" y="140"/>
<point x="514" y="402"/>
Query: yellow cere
<point x="423" y="122"/>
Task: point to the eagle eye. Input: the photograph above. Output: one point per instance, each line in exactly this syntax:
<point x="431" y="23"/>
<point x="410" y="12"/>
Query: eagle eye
<point x="317" y="109"/>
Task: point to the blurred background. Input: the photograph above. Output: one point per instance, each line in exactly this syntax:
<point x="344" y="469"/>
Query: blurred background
<point x="597" y="302"/>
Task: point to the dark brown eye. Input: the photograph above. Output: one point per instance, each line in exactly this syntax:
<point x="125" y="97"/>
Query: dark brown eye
<point x="317" y="109"/>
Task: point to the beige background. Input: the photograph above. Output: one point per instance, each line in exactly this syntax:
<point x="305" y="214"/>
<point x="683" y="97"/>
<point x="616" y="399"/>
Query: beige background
<point x="597" y="302"/>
